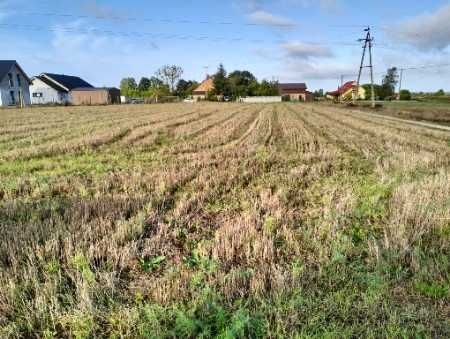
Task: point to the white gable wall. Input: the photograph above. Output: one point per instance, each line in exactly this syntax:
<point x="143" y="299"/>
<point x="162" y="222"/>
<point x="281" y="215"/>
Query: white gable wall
<point x="5" y="88"/>
<point x="41" y="93"/>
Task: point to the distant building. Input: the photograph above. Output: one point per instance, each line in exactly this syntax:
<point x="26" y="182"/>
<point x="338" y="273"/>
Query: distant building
<point x="14" y="84"/>
<point x="49" y="88"/>
<point x="201" y="92"/>
<point x="95" y="96"/>
<point x="295" y="91"/>
<point x="346" y="92"/>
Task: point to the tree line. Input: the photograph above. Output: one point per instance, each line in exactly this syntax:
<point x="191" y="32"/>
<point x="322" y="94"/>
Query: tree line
<point x="167" y="81"/>
<point x="387" y="89"/>
<point x="239" y="84"/>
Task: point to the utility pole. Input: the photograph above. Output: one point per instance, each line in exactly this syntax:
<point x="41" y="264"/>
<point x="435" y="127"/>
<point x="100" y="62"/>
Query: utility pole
<point x="206" y="71"/>
<point x="340" y="88"/>
<point x="368" y="43"/>
<point x="400" y="82"/>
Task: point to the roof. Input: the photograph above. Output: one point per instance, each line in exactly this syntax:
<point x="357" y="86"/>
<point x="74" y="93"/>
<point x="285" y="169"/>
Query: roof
<point x="67" y="82"/>
<point x="293" y="86"/>
<point x="344" y="88"/>
<point x="6" y="65"/>
<point x="50" y="83"/>
<point x="93" y="89"/>
<point x="206" y="86"/>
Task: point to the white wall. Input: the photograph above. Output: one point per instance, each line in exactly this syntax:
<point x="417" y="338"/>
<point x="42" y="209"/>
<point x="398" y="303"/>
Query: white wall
<point x="5" y="98"/>
<point x="49" y="94"/>
<point x="256" y="100"/>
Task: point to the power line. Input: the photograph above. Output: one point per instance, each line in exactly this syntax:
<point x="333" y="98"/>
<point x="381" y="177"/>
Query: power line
<point x="162" y="21"/>
<point x="159" y="36"/>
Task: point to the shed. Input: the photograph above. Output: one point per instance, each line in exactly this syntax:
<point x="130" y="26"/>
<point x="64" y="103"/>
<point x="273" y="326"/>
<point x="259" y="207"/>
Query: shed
<point x="95" y="96"/>
<point x="295" y="91"/>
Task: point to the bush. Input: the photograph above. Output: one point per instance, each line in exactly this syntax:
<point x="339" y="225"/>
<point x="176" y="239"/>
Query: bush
<point x="405" y="94"/>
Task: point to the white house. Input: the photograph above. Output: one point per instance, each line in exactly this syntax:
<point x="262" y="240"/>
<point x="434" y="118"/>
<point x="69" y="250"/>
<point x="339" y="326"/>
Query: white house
<point x="49" y="88"/>
<point x="14" y="84"/>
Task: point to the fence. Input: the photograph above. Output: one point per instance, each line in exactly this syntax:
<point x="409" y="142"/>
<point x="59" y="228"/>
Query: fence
<point x="257" y="100"/>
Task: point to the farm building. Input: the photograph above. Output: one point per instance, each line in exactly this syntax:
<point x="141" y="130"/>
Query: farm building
<point x="201" y="92"/>
<point x="14" y="84"/>
<point x="95" y="96"/>
<point x="49" y="88"/>
<point x="345" y="92"/>
<point x="295" y="91"/>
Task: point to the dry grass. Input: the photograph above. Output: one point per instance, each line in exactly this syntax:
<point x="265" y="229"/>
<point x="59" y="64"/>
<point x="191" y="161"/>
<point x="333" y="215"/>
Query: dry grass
<point x="222" y="220"/>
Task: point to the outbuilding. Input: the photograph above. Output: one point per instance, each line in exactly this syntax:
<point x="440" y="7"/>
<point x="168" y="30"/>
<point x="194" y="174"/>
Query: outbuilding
<point x="295" y="91"/>
<point x="49" y="88"/>
<point x="95" y="96"/>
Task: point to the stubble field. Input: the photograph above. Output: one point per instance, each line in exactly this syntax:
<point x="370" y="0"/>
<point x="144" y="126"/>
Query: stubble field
<point x="222" y="220"/>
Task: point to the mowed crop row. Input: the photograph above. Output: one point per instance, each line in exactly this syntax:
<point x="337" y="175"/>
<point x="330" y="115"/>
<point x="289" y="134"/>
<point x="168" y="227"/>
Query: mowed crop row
<point x="222" y="220"/>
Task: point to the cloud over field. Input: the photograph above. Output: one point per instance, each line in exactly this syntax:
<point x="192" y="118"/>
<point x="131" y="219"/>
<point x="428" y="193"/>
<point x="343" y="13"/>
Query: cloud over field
<point x="426" y="31"/>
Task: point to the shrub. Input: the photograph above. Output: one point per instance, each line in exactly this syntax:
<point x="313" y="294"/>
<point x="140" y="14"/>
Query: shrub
<point x="405" y="94"/>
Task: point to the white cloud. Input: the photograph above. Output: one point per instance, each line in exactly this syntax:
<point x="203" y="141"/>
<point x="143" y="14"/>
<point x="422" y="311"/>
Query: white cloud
<point x="320" y="71"/>
<point x="301" y="50"/>
<point x="269" y="19"/>
<point x="427" y="31"/>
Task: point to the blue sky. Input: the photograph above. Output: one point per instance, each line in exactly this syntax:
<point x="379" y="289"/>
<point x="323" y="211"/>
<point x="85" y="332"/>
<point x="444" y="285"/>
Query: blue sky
<point x="290" y="40"/>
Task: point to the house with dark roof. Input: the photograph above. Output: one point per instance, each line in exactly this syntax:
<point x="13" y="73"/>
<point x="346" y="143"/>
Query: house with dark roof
<point x="295" y="91"/>
<point x="14" y="84"/>
<point x="49" y="88"/>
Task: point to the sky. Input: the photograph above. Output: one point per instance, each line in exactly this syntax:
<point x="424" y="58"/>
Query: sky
<point x="312" y="41"/>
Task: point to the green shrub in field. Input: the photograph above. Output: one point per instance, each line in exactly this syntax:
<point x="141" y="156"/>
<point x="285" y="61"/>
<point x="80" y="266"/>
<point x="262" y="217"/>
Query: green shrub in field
<point x="405" y="95"/>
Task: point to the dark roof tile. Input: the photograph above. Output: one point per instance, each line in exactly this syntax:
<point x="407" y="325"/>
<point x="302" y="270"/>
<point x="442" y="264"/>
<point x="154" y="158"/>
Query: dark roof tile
<point x="68" y="81"/>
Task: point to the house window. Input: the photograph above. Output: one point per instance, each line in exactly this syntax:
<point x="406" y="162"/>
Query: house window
<point x="13" y="97"/>
<point x="19" y="83"/>
<point x="11" y="82"/>
<point x="37" y="95"/>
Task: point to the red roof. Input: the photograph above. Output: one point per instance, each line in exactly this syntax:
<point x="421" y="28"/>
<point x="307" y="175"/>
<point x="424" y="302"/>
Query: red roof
<point x="344" y="89"/>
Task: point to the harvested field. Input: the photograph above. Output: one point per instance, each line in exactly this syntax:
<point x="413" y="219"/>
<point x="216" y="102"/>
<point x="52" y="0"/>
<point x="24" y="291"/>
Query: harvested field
<point x="222" y="220"/>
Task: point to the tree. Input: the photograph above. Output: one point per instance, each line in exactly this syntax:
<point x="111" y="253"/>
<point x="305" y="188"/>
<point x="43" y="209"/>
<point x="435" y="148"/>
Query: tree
<point x="240" y="83"/>
<point x="440" y="93"/>
<point x="376" y="89"/>
<point x="389" y="82"/>
<point x="268" y="88"/>
<point x="318" y="94"/>
<point x="185" y="88"/>
<point x="405" y="94"/>
<point x="221" y="82"/>
<point x="170" y="75"/>
<point x="144" y="84"/>
<point x="128" y="86"/>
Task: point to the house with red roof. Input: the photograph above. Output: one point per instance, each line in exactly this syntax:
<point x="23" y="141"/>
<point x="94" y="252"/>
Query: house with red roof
<point x="346" y="92"/>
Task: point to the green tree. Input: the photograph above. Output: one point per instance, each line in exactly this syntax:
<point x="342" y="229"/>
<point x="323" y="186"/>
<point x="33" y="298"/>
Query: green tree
<point x="240" y="83"/>
<point x="185" y="88"/>
<point x="144" y="84"/>
<point x="170" y="75"/>
<point x="388" y="85"/>
<point x="376" y="89"/>
<point x="268" y="88"/>
<point x="440" y="93"/>
<point x="405" y="94"/>
<point x="318" y="94"/>
<point x="221" y="82"/>
<point x="128" y="86"/>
